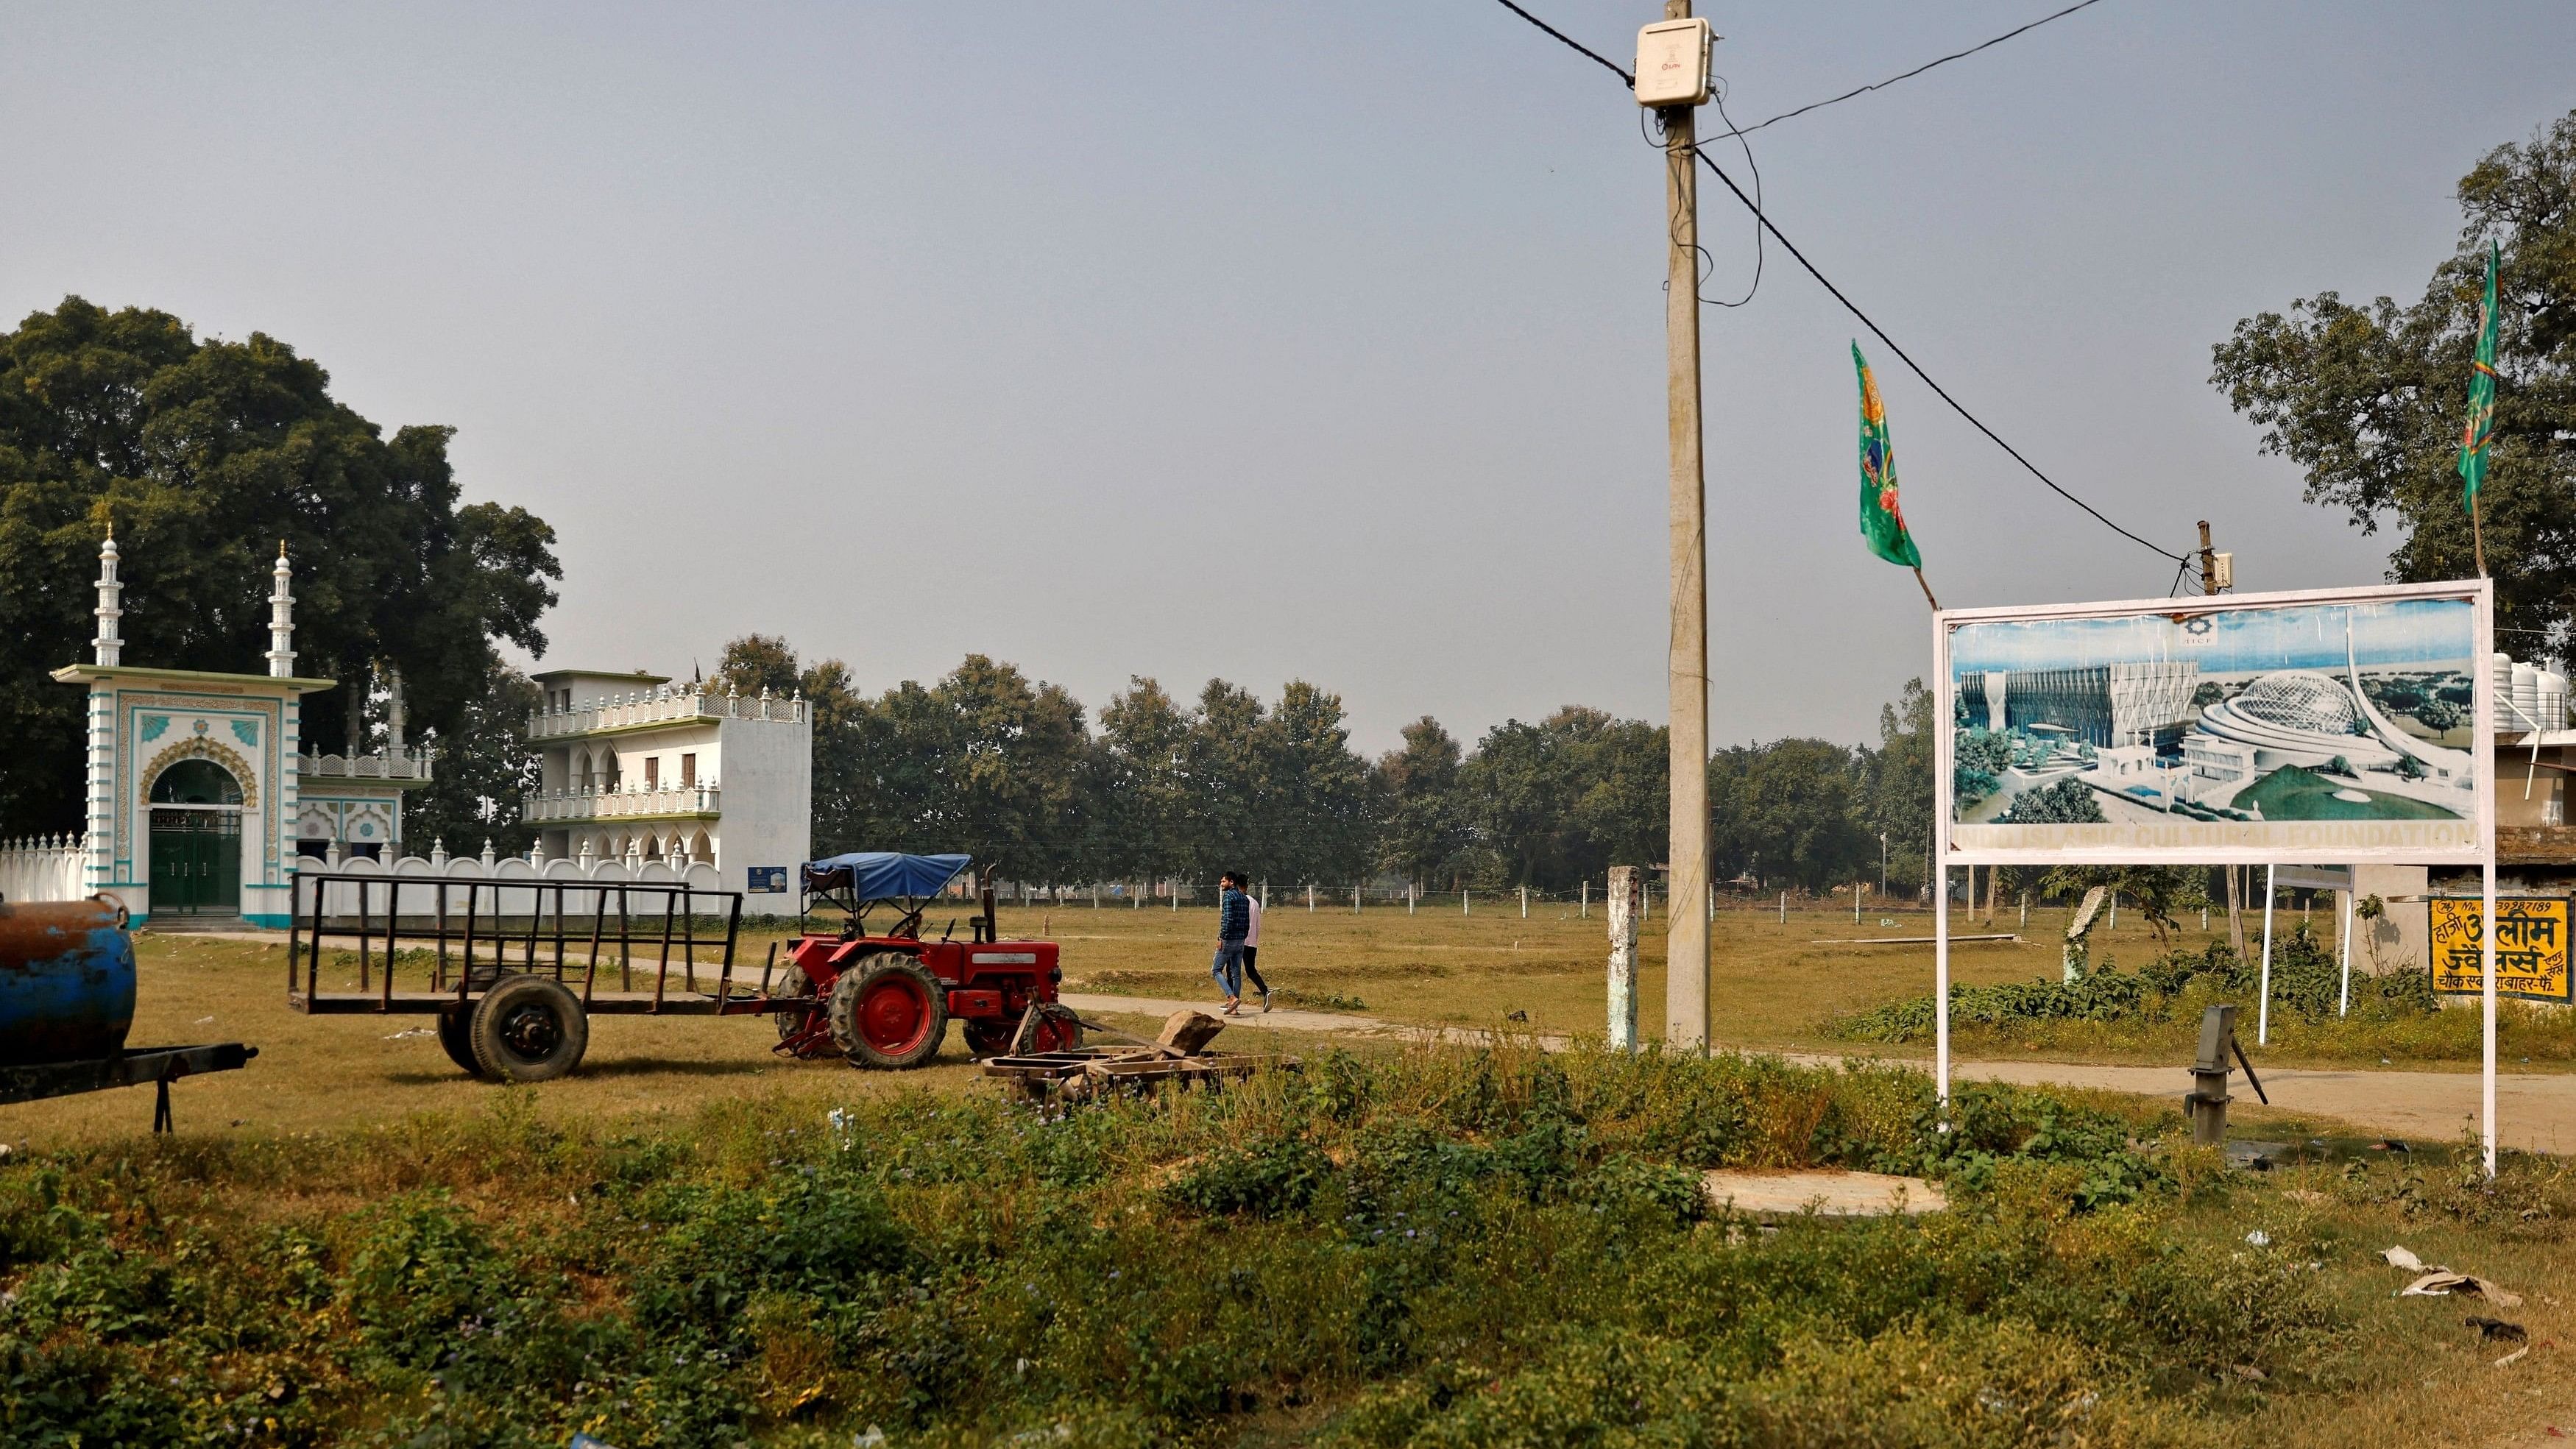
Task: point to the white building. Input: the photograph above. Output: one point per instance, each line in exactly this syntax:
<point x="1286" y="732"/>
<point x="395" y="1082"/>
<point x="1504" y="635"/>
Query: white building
<point x="637" y="769"/>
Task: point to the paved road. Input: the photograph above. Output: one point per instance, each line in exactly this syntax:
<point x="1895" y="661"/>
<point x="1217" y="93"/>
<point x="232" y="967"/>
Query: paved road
<point x="2537" y="1111"/>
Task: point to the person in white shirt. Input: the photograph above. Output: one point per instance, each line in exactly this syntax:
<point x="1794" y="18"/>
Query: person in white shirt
<point x="1252" y="949"/>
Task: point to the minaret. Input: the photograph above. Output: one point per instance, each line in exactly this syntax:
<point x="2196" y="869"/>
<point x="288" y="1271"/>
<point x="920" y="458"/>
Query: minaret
<point x="281" y="616"/>
<point x="107" y="645"/>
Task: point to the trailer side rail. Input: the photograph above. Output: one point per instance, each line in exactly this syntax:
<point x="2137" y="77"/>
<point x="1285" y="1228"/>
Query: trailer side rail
<point x="479" y="931"/>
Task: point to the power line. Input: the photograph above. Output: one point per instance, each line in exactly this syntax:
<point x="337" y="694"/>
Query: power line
<point x="1579" y="48"/>
<point x="1917" y="368"/>
<point x="1763" y="224"/>
<point x="1891" y="80"/>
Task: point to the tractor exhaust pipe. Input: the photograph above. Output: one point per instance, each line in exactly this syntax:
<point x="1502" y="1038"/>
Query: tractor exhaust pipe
<point x="985" y="877"/>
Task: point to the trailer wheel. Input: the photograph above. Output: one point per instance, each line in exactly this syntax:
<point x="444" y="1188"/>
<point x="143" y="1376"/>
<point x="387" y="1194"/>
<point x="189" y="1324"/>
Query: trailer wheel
<point x="456" y="1035"/>
<point x="887" y="1011"/>
<point x="529" y="1029"/>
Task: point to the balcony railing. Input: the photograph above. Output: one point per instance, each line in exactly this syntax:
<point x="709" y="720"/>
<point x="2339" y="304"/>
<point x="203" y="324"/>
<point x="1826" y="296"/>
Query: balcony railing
<point x="409" y="765"/>
<point x="657" y="706"/>
<point x="544" y="805"/>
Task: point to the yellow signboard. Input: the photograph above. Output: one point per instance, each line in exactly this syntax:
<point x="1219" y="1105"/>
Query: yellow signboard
<point x="2531" y="948"/>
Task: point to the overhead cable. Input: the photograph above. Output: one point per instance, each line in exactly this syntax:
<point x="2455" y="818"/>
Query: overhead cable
<point x="1579" y="48"/>
<point x="1891" y="80"/>
<point x="1917" y="368"/>
<point x="1763" y="224"/>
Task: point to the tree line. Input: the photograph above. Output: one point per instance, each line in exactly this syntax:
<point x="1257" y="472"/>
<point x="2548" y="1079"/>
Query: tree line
<point x="1018" y="772"/>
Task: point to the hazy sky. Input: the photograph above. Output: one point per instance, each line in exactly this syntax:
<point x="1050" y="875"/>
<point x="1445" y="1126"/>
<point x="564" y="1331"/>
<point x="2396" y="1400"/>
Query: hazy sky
<point x="1319" y="340"/>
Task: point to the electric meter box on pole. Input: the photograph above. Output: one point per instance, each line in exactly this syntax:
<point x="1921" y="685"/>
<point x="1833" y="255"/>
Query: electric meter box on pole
<point x="1672" y="63"/>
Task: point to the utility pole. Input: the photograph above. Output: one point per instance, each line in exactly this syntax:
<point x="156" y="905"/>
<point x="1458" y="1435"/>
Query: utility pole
<point x="2208" y="562"/>
<point x="1660" y="50"/>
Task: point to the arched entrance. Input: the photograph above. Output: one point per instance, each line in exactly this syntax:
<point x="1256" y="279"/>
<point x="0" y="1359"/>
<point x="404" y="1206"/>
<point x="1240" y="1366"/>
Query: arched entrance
<point x="196" y="840"/>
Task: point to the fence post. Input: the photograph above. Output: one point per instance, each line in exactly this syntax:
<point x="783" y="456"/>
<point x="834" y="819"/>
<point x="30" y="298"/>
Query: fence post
<point x="1626" y="896"/>
<point x="1587" y="898"/>
<point x="1524" y="903"/>
<point x="1355" y="897"/>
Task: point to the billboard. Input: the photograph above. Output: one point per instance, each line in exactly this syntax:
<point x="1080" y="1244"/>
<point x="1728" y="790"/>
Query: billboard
<point x="2530" y="949"/>
<point x="2280" y="728"/>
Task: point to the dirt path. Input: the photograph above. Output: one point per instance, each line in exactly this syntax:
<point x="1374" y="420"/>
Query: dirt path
<point x="2537" y="1111"/>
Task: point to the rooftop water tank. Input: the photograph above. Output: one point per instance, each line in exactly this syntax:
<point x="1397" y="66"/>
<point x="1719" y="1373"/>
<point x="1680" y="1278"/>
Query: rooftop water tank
<point x="2553" y="700"/>
<point x="2500" y="676"/>
<point x="2525" y="713"/>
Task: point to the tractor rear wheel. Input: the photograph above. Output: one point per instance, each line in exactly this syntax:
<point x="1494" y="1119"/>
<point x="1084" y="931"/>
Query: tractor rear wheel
<point x="887" y="1011"/>
<point x="528" y="1029"/>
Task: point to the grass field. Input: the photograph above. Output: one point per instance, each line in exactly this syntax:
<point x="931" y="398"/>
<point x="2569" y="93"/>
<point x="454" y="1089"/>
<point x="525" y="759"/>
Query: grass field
<point x="1777" y="986"/>
<point x="1438" y="1246"/>
<point x="351" y="1242"/>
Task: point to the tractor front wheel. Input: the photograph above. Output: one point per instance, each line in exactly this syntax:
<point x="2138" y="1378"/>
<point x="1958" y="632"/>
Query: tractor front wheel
<point x="887" y="1011"/>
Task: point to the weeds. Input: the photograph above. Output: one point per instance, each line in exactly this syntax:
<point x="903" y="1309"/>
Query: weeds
<point x="1446" y="1246"/>
<point x="2159" y="1006"/>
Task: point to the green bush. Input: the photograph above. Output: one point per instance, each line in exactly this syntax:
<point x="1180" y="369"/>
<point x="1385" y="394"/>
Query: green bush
<point x="2306" y="987"/>
<point x="1446" y="1246"/>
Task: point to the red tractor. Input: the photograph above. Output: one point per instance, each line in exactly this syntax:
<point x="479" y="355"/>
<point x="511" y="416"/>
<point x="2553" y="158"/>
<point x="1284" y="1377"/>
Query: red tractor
<point x="884" y="998"/>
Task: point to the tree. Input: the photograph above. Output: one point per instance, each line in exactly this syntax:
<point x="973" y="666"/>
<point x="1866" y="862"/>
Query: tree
<point x="1425" y="825"/>
<point x="2370" y="400"/>
<point x="1792" y="811"/>
<point x="204" y="455"/>
<point x="1140" y="800"/>
<point x="484" y="768"/>
<point x="1553" y="803"/>
<point x="2157" y="891"/>
<point x="1900" y="789"/>
<point x="1319" y="802"/>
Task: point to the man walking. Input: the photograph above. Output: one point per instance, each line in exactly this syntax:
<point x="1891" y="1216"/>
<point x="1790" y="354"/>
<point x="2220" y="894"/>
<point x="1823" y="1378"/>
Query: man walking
<point x="1252" y="947"/>
<point x="1233" y="923"/>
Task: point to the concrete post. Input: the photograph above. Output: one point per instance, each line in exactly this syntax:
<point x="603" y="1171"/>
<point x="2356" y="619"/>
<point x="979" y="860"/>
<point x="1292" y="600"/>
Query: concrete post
<point x="1626" y="899"/>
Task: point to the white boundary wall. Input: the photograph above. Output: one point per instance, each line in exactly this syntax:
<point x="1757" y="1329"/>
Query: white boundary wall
<point x="419" y="877"/>
<point x="42" y="868"/>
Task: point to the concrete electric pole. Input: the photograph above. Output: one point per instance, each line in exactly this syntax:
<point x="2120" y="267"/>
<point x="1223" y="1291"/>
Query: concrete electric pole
<point x="1672" y="77"/>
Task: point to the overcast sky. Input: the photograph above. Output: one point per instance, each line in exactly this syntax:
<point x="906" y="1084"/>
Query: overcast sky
<point x="1316" y="340"/>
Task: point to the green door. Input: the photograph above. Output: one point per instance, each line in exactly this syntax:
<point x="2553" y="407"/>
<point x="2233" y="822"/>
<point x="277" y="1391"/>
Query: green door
<point x="196" y="862"/>
<point x="196" y="840"/>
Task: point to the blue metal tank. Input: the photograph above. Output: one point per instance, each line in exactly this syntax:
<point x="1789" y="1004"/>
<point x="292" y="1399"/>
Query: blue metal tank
<point x="66" y="981"/>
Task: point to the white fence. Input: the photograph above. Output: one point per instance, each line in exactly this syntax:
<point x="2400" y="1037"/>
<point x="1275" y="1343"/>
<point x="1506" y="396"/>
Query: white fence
<point x="418" y="896"/>
<point x="41" y="868"/>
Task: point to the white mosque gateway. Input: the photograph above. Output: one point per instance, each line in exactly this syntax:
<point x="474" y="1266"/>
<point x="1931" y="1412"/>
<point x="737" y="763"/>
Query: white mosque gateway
<point x="202" y="802"/>
<point x="200" y="798"/>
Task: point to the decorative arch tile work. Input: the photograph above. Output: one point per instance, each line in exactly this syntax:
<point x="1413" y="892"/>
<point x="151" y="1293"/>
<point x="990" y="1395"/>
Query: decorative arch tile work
<point x="201" y="748"/>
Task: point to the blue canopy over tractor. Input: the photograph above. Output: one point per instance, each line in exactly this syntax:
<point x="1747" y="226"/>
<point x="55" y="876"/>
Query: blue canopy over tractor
<point x="882" y="875"/>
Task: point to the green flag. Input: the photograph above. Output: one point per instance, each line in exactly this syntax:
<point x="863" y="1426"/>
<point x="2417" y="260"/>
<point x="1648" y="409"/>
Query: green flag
<point x="1882" y="522"/>
<point x="2480" y="433"/>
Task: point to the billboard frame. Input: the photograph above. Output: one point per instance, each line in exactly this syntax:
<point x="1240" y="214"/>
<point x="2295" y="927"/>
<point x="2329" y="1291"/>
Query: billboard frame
<point x="2480" y="594"/>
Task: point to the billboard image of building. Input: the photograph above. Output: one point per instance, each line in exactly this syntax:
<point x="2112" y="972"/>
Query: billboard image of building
<point x="2315" y="726"/>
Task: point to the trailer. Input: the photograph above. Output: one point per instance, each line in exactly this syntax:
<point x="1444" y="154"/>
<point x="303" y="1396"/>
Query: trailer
<point x="515" y="968"/>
